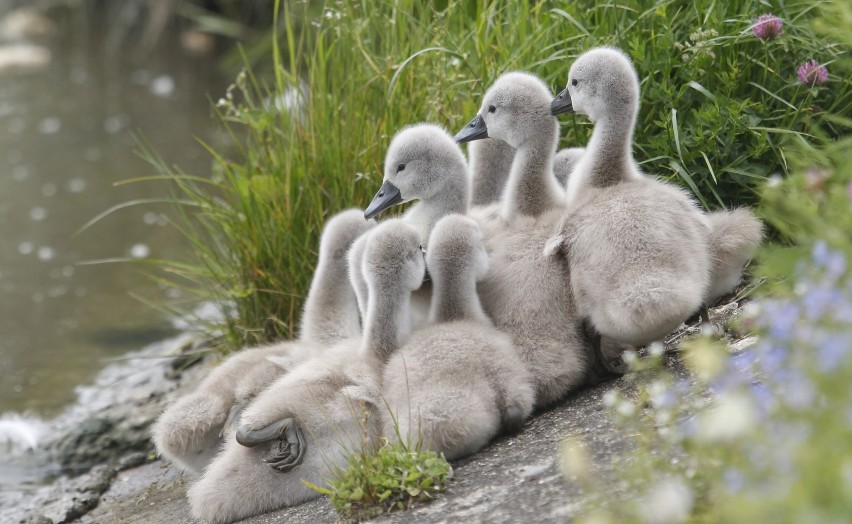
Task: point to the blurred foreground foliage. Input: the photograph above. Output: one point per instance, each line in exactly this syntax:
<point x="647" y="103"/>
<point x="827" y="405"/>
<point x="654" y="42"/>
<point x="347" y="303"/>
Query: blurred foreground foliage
<point x="763" y="434"/>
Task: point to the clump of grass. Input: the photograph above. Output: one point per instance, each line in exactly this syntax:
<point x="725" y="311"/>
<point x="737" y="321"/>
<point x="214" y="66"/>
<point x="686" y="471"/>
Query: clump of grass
<point x="391" y="477"/>
<point x="720" y="110"/>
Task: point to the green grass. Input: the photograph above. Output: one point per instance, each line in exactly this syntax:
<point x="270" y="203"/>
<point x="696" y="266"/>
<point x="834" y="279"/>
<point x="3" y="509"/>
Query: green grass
<point x="392" y="478"/>
<point x="720" y="111"/>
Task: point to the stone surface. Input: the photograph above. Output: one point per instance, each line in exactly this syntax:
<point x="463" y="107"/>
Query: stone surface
<point x="515" y="479"/>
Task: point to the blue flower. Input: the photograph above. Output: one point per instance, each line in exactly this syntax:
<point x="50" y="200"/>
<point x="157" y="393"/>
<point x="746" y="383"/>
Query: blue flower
<point x="836" y="264"/>
<point x="772" y="359"/>
<point x="818" y="299"/>
<point x="764" y="399"/>
<point x="795" y="389"/>
<point x="780" y="317"/>
<point x="819" y="253"/>
<point x="743" y="363"/>
<point x="843" y="313"/>
<point x="726" y="382"/>
<point x="832" y="350"/>
<point x="734" y="480"/>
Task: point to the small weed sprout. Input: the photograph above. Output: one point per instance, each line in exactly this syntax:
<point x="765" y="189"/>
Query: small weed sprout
<point x="393" y="477"/>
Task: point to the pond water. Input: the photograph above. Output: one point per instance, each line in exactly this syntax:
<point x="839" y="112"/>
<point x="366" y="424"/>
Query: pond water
<point x="66" y="137"/>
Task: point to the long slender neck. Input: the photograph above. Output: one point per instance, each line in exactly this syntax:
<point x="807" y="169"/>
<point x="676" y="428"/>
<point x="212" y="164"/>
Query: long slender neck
<point x="608" y="159"/>
<point x="532" y="188"/>
<point x="454" y="198"/>
<point x="388" y="321"/>
<point x="490" y="164"/>
<point x="331" y="308"/>
<point x="454" y="297"/>
<point x="356" y="275"/>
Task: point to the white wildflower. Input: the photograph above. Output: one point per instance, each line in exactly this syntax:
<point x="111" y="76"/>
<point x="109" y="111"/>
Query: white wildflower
<point x="731" y="417"/>
<point x="667" y="502"/>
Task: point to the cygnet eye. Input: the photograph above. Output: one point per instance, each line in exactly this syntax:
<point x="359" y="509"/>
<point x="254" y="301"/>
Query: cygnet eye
<point x="492" y="109"/>
<point x="575" y="82"/>
<point x="400" y="168"/>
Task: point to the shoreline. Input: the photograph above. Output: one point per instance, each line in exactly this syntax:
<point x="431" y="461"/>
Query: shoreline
<point x="105" y="430"/>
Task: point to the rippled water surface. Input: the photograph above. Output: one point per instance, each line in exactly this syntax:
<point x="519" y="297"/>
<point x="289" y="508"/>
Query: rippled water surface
<point x="66" y="137"/>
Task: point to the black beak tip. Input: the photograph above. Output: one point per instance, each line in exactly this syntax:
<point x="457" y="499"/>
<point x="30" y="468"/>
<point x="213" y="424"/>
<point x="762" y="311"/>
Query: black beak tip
<point x="387" y="196"/>
<point x="561" y="104"/>
<point x="474" y="130"/>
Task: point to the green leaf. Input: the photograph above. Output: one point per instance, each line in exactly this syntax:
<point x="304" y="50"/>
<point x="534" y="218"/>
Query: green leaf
<point x="414" y="475"/>
<point x="356" y="495"/>
<point x="318" y="489"/>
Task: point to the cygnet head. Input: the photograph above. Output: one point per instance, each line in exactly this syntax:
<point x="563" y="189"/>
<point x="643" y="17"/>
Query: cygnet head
<point x="422" y="162"/>
<point x="513" y="109"/>
<point x="602" y="81"/>
<point x="456" y="246"/>
<point x="341" y="231"/>
<point x="393" y="257"/>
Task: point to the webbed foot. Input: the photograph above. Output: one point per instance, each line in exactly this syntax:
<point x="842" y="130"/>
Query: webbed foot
<point x="289" y="446"/>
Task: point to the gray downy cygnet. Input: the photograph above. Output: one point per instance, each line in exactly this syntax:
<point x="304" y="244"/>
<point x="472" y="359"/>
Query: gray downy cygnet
<point x="526" y="294"/>
<point x="458" y="382"/>
<point x="638" y="248"/>
<point x="422" y="163"/>
<point x="190" y="431"/>
<point x="302" y="426"/>
<point x="564" y="163"/>
<point x="490" y="161"/>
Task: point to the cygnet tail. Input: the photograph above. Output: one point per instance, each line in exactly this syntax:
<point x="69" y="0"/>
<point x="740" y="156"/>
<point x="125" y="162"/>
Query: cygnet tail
<point x="734" y="238"/>
<point x="652" y="307"/>
<point x="456" y="423"/>
<point x="187" y="433"/>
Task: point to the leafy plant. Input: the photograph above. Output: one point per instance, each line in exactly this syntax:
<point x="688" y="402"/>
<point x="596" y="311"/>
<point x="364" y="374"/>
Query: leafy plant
<point x="392" y="478"/>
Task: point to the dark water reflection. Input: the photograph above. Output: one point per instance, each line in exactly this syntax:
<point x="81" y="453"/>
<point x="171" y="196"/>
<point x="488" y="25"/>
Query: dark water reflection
<point x="65" y="138"/>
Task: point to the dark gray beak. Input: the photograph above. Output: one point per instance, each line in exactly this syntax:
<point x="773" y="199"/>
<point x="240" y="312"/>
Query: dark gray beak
<point x="475" y="130"/>
<point x="387" y="196"/>
<point x="561" y="104"/>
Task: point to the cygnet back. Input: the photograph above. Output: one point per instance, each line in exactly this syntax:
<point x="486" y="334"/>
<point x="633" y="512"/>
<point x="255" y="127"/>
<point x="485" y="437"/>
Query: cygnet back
<point x="458" y="382"/>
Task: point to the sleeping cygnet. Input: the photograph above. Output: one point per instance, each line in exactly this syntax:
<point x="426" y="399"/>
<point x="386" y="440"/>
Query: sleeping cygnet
<point x="304" y="424"/>
<point x="190" y="431"/>
<point x="458" y="382"/>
